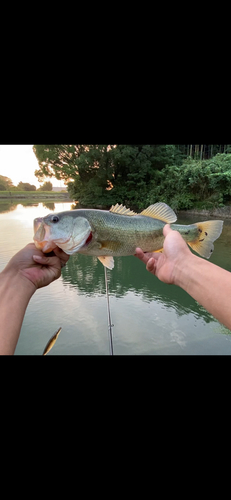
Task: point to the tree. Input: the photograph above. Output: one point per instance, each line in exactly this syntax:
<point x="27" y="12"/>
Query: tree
<point x="66" y="161"/>
<point x="26" y="186"/>
<point x="5" y="183"/>
<point x="47" y="186"/>
<point x="89" y="167"/>
<point x="104" y="173"/>
<point x="57" y="160"/>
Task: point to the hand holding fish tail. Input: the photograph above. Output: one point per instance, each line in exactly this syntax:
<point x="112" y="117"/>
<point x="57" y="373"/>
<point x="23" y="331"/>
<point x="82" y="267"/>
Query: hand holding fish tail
<point x="164" y="265"/>
<point x="208" y="284"/>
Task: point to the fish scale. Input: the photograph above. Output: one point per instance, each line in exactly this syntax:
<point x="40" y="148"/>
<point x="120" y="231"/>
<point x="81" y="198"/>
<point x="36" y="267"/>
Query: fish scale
<point x="119" y="231"/>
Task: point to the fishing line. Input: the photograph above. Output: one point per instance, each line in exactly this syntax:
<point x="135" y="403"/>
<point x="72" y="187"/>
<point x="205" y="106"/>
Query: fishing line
<point x="109" y="315"/>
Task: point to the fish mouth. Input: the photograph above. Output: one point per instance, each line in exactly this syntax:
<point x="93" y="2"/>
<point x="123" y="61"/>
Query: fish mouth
<point x="37" y="223"/>
<point x="42" y="236"/>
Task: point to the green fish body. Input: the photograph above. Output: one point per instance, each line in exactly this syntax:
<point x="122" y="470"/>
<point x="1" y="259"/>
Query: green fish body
<point x="119" y="231"/>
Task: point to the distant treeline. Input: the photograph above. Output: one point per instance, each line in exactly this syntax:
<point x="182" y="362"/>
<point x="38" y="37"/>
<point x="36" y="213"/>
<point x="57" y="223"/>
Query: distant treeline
<point x="6" y="184"/>
<point x="184" y="176"/>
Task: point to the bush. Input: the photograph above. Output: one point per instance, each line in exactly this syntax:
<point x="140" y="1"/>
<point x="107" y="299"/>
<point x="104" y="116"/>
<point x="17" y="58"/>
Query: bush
<point x="194" y="182"/>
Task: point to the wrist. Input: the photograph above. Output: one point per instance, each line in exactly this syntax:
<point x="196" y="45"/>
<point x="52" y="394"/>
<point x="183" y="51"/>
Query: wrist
<point x="15" y="294"/>
<point x="183" y="270"/>
<point x="16" y="282"/>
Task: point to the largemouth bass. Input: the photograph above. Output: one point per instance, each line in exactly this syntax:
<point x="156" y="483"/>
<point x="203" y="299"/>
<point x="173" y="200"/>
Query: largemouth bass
<point x="119" y="231"/>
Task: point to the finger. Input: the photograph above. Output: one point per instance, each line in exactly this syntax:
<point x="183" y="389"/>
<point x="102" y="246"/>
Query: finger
<point x="167" y="229"/>
<point x="61" y="254"/>
<point x="139" y="253"/>
<point x="144" y="257"/>
<point x="151" y="265"/>
<point x="47" y="261"/>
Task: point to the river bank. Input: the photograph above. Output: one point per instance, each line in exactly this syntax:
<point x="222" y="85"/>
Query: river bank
<point x="14" y="196"/>
<point x="34" y="195"/>
<point x="223" y="212"/>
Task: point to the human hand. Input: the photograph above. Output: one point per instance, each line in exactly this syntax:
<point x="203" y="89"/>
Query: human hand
<point x="167" y="264"/>
<point x="31" y="264"/>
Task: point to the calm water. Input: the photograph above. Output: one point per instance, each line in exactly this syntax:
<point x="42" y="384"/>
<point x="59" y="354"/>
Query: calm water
<point x="149" y="317"/>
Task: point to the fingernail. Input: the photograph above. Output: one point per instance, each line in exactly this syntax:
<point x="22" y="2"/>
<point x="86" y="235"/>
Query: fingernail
<point x="37" y="257"/>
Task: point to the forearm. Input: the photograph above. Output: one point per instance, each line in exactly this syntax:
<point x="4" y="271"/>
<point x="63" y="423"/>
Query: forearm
<point x="209" y="284"/>
<point x="15" y="294"/>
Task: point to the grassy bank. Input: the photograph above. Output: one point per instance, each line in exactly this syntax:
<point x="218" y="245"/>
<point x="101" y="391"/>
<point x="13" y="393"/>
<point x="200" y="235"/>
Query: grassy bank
<point x="35" y="195"/>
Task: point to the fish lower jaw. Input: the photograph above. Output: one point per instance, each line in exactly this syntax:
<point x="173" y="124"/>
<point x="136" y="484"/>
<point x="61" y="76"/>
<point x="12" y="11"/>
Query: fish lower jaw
<point x="45" y="246"/>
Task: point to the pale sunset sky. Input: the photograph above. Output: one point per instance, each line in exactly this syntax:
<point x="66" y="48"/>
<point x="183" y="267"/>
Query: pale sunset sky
<point x="18" y="162"/>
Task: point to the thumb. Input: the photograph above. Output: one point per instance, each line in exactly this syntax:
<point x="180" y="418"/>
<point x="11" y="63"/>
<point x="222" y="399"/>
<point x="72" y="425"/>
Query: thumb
<point x="167" y="229"/>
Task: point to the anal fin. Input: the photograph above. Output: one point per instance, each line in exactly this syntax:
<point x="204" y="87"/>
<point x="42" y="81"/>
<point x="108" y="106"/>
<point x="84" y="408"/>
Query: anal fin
<point x="107" y="261"/>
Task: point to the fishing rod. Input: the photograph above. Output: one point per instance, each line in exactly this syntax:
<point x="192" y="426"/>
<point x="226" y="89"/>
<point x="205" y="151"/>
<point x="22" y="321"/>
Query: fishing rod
<point x="109" y="315"/>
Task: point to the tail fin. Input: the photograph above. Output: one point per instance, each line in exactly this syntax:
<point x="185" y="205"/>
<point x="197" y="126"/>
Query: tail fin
<point x="209" y="231"/>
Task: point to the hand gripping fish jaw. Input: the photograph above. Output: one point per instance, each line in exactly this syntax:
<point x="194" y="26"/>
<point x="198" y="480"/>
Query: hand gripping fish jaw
<point x="66" y="233"/>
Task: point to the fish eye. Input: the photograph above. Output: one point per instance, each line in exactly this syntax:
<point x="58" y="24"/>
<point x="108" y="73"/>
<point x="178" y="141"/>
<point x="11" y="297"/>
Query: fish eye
<point x="54" y="218"/>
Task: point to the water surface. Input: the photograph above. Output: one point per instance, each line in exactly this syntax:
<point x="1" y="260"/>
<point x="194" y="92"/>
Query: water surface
<point x="149" y="317"/>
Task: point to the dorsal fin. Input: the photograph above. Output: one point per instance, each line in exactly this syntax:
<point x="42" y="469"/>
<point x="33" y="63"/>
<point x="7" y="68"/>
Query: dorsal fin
<point x="120" y="209"/>
<point x="160" y="211"/>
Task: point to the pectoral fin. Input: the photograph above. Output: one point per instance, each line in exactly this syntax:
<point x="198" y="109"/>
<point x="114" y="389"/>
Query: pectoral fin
<point x="107" y="261"/>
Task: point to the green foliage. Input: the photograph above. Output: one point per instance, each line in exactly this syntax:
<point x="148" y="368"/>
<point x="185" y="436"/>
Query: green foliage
<point x="26" y="186"/>
<point x="105" y="174"/>
<point x="138" y="175"/>
<point x="15" y="193"/>
<point x="5" y="183"/>
<point x="199" y="183"/>
<point x="47" y="186"/>
<point x="59" y="161"/>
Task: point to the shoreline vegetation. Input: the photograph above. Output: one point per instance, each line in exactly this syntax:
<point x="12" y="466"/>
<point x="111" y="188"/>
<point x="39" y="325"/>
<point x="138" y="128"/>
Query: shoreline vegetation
<point x="223" y="212"/>
<point x="35" y="195"/>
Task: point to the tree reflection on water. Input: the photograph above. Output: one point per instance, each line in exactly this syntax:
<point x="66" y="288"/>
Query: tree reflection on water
<point x="86" y="274"/>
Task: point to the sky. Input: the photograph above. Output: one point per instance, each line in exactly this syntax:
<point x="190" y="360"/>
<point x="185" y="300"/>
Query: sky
<point x="18" y="162"/>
